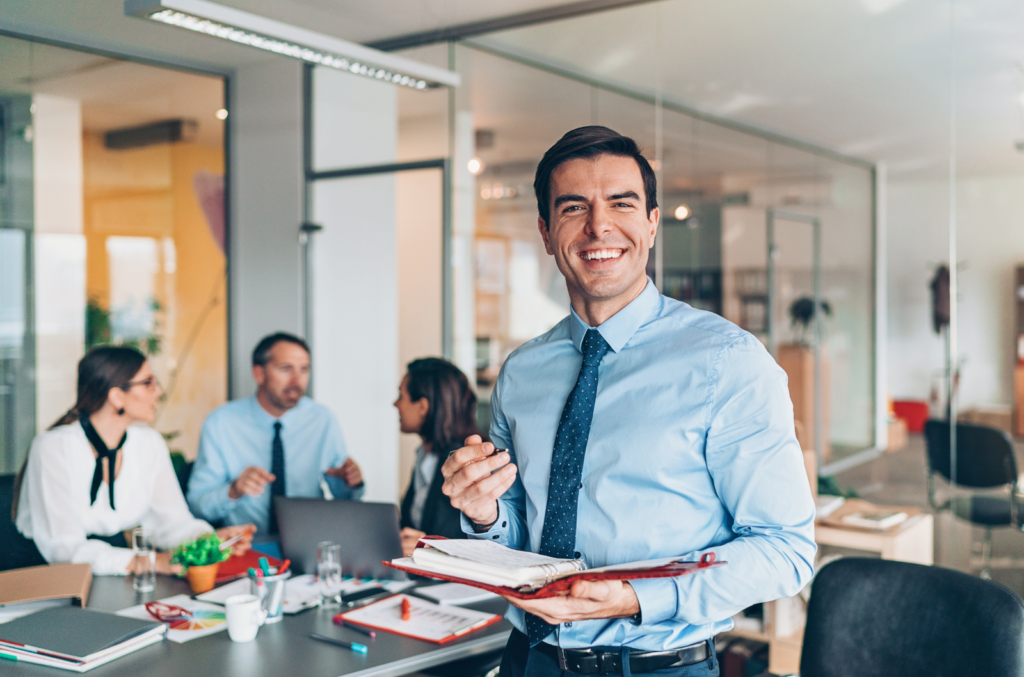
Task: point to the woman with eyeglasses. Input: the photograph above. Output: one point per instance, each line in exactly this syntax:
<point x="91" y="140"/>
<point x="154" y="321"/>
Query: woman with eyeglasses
<point x="93" y="474"/>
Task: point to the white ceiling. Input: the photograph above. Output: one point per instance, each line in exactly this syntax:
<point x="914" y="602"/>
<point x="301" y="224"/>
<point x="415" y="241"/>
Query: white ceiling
<point x="869" y="78"/>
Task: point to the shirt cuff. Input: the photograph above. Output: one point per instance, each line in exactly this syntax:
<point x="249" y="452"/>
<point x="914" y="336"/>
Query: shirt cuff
<point x="658" y="597"/>
<point x="497" y="533"/>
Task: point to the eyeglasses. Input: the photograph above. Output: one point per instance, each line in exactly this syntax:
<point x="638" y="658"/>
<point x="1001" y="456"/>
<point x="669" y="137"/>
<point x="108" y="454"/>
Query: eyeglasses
<point x="167" y="612"/>
<point x="150" y="383"/>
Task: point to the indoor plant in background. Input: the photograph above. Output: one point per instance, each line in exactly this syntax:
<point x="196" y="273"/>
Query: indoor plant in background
<point x="797" y="360"/>
<point x="201" y="559"/>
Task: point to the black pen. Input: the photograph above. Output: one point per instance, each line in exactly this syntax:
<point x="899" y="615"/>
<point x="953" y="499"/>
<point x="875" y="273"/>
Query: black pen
<point x="351" y="646"/>
<point x="494" y="453"/>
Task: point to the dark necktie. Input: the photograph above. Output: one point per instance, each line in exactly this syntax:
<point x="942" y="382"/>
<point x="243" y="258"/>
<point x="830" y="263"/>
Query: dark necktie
<point x="101" y="453"/>
<point x="558" y="539"/>
<point x="277" y="468"/>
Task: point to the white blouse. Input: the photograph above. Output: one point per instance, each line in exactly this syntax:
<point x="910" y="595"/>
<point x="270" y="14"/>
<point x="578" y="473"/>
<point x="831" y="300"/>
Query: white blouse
<point x="54" y="509"/>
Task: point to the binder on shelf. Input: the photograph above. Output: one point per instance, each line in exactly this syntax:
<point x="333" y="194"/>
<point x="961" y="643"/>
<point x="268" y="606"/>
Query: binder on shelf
<point x="526" y="575"/>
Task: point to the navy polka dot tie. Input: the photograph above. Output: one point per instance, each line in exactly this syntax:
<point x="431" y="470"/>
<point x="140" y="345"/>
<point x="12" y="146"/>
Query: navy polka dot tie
<point x="558" y="539"/>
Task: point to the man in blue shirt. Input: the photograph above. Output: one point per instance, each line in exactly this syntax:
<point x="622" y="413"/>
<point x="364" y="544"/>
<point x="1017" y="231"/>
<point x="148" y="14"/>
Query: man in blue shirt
<point x="672" y="436"/>
<point x="276" y="443"/>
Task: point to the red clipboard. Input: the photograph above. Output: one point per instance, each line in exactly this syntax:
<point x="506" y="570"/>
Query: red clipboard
<point x="393" y="628"/>
<point x="560" y="586"/>
<point x="237" y="566"/>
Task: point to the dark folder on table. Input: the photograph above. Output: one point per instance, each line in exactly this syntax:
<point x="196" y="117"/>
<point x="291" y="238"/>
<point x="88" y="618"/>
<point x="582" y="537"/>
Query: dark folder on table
<point x="74" y="638"/>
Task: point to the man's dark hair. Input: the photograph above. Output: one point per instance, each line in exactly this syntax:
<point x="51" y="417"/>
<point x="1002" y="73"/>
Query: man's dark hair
<point x="586" y="142"/>
<point x="261" y="353"/>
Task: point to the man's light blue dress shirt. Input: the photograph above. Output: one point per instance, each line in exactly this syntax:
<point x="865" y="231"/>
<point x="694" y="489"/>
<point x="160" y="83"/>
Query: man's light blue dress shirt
<point x="239" y="434"/>
<point x="692" y="450"/>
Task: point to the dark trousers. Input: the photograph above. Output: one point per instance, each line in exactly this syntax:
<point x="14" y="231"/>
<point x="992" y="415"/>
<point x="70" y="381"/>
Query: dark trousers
<point x="519" y="660"/>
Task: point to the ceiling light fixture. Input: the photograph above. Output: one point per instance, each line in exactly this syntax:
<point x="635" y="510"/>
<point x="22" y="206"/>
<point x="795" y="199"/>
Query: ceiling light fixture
<point x="221" y="114"/>
<point x="475" y="166"/>
<point x="682" y="213"/>
<point x="249" y="29"/>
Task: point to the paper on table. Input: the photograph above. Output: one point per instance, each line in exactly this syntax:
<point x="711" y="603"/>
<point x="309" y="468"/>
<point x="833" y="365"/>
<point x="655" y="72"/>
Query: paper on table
<point x="206" y="618"/>
<point x="221" y="594"/>
<point x="455" y="593"/>
<point x="428" y="621"/>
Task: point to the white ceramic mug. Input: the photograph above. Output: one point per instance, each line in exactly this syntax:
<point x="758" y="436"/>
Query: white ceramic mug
<point x="245" y="616"/>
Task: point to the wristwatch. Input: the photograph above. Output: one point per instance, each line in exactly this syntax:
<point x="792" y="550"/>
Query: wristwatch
<point x="484" y="528"/>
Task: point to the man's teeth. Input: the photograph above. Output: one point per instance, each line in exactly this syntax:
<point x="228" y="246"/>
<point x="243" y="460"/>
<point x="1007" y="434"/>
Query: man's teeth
<point x="602" y="254"/>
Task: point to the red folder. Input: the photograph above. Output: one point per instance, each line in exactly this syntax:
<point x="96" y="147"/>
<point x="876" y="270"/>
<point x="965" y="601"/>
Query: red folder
<point x="561" y="586"/>
<point x="238" y="565"/>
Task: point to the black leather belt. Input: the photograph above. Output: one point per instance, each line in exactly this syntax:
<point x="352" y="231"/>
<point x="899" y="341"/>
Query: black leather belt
<point x="609" y="662"/>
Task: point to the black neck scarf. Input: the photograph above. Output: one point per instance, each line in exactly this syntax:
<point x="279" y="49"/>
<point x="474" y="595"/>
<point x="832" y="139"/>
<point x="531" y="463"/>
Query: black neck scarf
<point x="101" y="453"/>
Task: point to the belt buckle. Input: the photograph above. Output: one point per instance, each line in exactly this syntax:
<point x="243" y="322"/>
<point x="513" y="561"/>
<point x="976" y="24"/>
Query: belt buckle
<point x="563" y="665"/>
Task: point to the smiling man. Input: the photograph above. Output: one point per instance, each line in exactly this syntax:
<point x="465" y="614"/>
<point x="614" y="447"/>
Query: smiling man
<point x="637" y="428"/>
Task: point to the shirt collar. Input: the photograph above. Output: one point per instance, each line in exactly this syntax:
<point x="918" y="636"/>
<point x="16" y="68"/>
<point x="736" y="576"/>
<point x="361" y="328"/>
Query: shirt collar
<point x="620" y="327"/>
<point x="264" y="418"/>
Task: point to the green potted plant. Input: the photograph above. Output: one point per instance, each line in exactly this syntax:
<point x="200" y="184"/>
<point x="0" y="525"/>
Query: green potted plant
<point x="201" y="559"/>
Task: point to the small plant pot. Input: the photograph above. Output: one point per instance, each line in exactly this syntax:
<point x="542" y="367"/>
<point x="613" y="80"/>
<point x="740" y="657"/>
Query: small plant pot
<point x="202" y="578"/>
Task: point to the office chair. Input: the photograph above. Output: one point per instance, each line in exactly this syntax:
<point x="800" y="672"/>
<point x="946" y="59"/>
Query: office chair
<point x="17" y="551"/>
<point x="984" y="460"/>
<point x="881" y="618"/>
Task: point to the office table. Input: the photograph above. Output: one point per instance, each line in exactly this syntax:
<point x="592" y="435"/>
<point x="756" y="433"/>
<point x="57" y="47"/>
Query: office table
<point x="282" y="648"/>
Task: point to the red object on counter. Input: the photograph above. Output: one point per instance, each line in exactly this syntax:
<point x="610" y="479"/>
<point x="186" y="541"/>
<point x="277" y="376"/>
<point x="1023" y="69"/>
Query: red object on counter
<point x="913" y="412"/>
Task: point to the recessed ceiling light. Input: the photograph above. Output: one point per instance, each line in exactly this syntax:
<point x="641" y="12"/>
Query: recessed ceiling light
<point x="682" y="213"/>
<point x="222" y="114"/>
<point x="253" y="30"/>
<point x="475" y="166"/>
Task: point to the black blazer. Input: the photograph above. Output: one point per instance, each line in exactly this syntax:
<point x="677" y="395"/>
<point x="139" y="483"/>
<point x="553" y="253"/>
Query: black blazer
<point x="439" y="517"/>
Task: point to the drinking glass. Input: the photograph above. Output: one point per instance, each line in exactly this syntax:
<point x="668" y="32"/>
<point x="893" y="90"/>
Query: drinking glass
<point x="142" y="546"/>
<point x="328" y="572"/>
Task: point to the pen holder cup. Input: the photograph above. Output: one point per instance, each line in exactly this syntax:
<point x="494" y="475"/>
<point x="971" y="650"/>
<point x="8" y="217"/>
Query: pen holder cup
<point x="270" y="593"/>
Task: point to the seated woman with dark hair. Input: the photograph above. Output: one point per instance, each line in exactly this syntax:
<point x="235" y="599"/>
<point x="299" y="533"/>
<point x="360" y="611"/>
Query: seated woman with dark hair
<point x="93" y="474"/>
<point x="436" y="403"/>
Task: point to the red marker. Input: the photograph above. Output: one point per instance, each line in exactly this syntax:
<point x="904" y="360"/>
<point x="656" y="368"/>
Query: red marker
<point x="406" y="609"/>
<point x="284" y="567"/>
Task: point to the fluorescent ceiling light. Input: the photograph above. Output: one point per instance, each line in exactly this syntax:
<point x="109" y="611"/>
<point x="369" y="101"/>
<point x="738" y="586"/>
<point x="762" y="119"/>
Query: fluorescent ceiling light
<point x="281" y="38"/>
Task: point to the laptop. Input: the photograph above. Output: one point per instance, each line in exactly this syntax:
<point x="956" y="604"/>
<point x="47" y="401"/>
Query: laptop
<point x="367" y="533"/>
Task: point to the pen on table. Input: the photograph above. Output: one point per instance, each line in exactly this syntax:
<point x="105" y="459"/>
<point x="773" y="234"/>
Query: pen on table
<point x="406" y="609"/>
<point x="234" y="539"/>
<point x="352" y="646"/>
<point x="338" y="620"/>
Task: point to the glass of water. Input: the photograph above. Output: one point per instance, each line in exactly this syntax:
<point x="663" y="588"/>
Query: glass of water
<point x="328" y="572"/>
<point x="142" y="546"/>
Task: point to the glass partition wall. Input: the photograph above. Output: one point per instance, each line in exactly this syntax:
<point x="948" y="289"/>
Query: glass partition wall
<point x="111" y="231"/>
<point x="717" y="183"/>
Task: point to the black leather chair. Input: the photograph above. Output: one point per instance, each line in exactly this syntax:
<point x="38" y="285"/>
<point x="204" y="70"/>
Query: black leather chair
<point x="16" y="551"/>
<point x="880" y="618"/>
<point x="984" y="460"/>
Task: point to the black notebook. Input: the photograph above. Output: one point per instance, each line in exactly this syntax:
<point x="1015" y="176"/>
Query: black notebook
<point x="76" y="635"/>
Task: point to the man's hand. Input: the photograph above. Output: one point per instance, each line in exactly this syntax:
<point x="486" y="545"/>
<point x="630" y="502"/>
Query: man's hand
<point x="586" y="600"/>
<point x="251" y="482"/>
<point x="244" y="543"/>
<point x="410" y="537"/>
<point x="348" y="472"/>
<point x="471" y="482"/>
